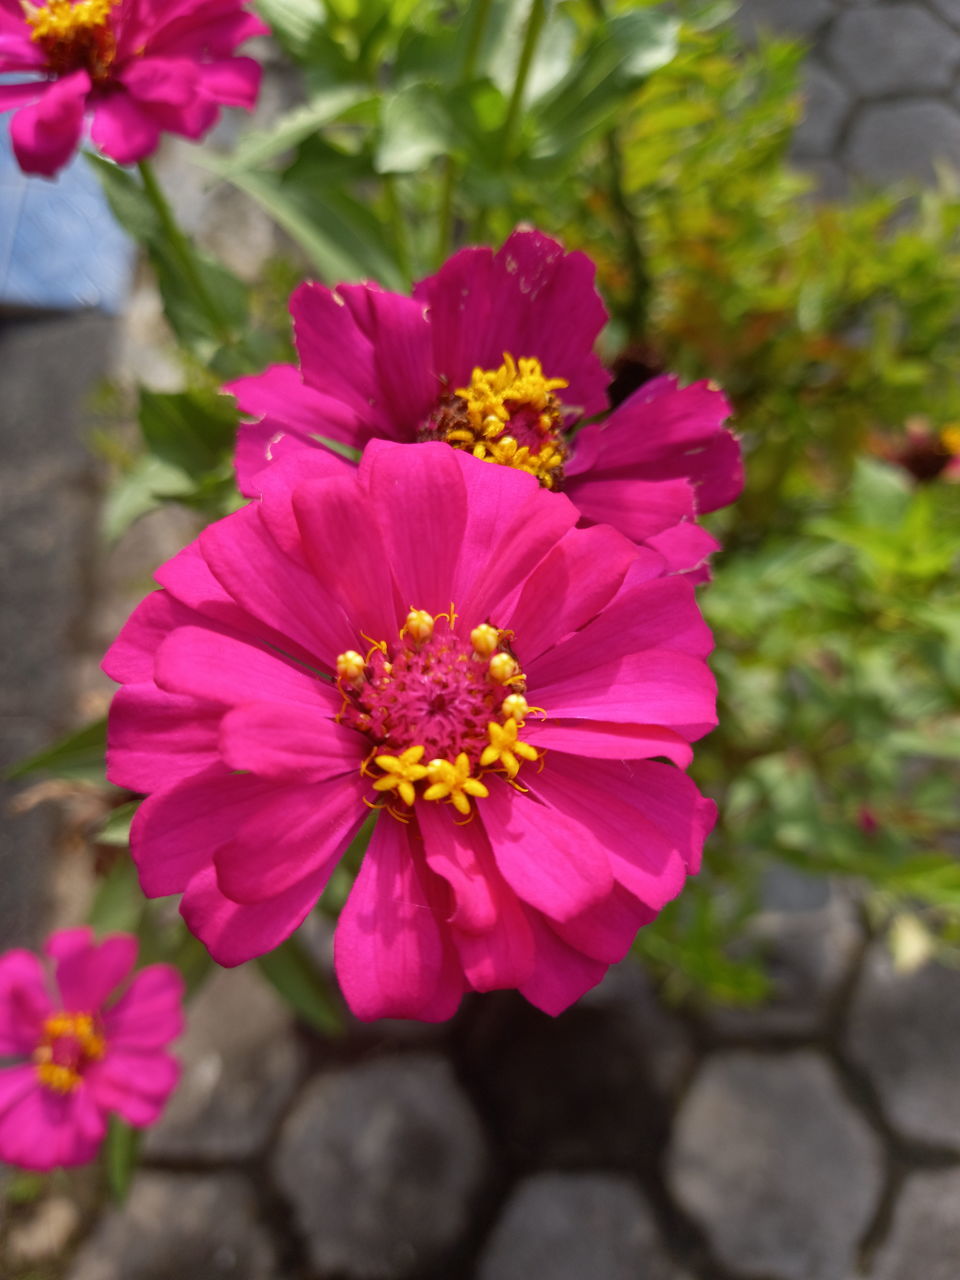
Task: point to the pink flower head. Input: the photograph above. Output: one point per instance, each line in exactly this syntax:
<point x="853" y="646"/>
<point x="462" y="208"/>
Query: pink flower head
<point x="140" y="68"/>
<point x="434" y="640"/>
<point x="495" y="356"/>
<point x="90" y="1043"/>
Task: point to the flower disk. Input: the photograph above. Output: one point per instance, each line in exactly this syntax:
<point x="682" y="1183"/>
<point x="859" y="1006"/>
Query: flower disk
<point x="75" y="36"/>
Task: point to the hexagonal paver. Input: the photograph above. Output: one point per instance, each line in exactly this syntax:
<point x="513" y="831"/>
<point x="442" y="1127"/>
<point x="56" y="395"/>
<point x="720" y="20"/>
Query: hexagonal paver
<point x="896" y="140"/>
<point x="893" y="49"/>
<point x="798" y="17"/>
<point x="776" y="1165"/>
<point x="924" y="1238"/>
<point x="904" y="1031"/>
<point x="826" y="104"/>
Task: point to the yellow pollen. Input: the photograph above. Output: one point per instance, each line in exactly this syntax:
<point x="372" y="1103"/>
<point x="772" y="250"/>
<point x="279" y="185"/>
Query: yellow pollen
<point x="484" y="640"/>
<point x="950" y="438"/>
<point x="350" y="666"/>
<point x="515" y="706"/>
<point x="453" y="782"/>
<point x="62" y="19"/>
<point x="503" y="667"/>
<point x="419" y="625"/>
<point x="401" y="772"/>
<point x="505" y="747"/>
<point x="88" y="1046"/>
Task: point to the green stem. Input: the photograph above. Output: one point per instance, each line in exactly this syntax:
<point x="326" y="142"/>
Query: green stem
<point x="451" y="170"/>
<point x="538" y="16"/>
<point x="395" y="217"/>
<point x="183" y="250"/>
<point x="641" y="286"/>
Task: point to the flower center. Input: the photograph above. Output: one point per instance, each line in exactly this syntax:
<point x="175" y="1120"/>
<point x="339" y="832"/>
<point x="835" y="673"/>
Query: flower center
<point x="74" y="36"/>
<point x="509" y="415"/>
<point x="440" y="709"/>
<point x="69" y="1042"/>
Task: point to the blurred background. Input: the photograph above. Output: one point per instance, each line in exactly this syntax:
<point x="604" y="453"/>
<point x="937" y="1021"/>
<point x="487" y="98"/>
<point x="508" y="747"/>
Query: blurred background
<point x="768" y="1089"/>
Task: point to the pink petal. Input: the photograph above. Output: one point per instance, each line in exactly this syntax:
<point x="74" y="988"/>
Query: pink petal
<point x="45" y="1130"/>
<point x="235" y="82"/>
<point x="638" y="508"/>
<point x="392" y="958"/>
<point x="300" y="831"/>
<point x="130" y="658"/>
<point x="122" y="129"/>
<point x="134" y="1086"/>
<point x="280" y="393"/>
<point x="686" y="549"/>
<point x="149" y="1014"/>
<point x="155" y="738"/>
<point x="258" y="445"/>
<point x="657" y="686"/>
<point x="176" y="831"/>
<point x="87" y="976"/>
<point x="561" y="974"/>
<point x="200" y="663"/>
<point x="24" y="1002"/>
<point x="15" y="1083"/>
<point x="233" y="933"/>
<point x="606" y="930"/>
<point x="170" y="80"/>
<point x="460" y="854"/>
<point x="218" y="34"/>
<point x="406" y="384"/>
<point x="548" y="858"/>
<point x="609" y="741"/>
<point x="45" y="133"/>
<point x="18" y="95"/>
<point x="291" y="469"/>
<point x="277" y="740"/>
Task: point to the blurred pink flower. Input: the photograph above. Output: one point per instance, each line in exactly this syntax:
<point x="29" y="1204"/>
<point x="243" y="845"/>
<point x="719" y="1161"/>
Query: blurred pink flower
<point x="139" y="68"/>
<point x="92" y="1044"/>
<point x="495" y="355"/>
<point x="433" y="635"/>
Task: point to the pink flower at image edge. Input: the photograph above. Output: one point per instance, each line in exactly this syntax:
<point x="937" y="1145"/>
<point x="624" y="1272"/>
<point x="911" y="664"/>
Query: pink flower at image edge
<point x="526" y="682"/>
<point x="138" y="69"/>
<point x="495" y="355"/>
<point x="88" y="1041"/>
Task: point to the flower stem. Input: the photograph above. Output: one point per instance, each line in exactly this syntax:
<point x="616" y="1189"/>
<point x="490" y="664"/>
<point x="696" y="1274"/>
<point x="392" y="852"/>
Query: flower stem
<point x="451" y="172"/>
<point x="184" y="253"/>
<point x="535" y="21"/>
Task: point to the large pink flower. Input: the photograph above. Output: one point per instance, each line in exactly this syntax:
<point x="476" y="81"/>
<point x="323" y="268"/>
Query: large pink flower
<point x="495" y="355"/>
<point x="436" y="638"/>
<point x="92" y="1044"/>
<point x="140" y="68"/>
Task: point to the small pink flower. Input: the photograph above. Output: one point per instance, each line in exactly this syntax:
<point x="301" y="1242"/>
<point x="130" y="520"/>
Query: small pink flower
<point x="495" y="355"/>
<point x="92" y="1044"/>
<point x="139" y="68"/>
<point x="434" y="639"/>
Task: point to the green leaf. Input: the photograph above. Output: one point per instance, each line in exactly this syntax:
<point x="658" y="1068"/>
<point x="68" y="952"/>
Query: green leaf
<point x="416" y="129"/>
<point x="296" y="126"/>
<point x="192" y="430"/>
<point x="295" y="977"/>
<point x="121" y="1150"/>
<point x="79" y="756"/>
<point x="119" y="902"/>
<point x="294" y="23"/>
<point x="147" y="484"/>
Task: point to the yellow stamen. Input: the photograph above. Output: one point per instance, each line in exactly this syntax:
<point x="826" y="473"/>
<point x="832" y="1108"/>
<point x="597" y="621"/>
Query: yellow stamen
<point x="484" y="640"/>
<point x="950" y="438"/>
<point x="515" y="706"/>
<point x="503" y="668"/>
<point x="350" y="666"/>
<point x="62" y="19"/>
<point x="505" y="747"/>
<point x="453" y="782"/>
<point x="90" y="1046"/>
<point x="419" y="625"/>
<point x="401" y="772"/>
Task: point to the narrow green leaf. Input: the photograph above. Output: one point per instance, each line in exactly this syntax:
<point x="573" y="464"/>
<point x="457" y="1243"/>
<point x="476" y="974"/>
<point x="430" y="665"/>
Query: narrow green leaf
<point x="290" y="970"/>
<point x="121" y="1150"/>
<point x="119" y="902"/>
<point x="78" y="756"/>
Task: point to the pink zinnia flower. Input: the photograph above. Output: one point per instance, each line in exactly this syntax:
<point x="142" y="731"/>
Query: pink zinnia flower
<point x="92" y="1044"/>
<point x="433" y="638"/>
<point x="140" y="68"/>
<point x="495" y="356"/>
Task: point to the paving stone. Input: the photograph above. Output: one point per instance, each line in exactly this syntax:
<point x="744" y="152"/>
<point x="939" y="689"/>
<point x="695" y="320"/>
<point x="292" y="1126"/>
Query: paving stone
<point x="576" y="1091"/>
<point x="807" y="952"/>
<point x="924" y="1238"/>
<point x="826" y="104"/>
<point x="904" y="1031"/>
<point x="833" y="182"/>
<point x="778" y="1168"/>
<point x="797" y="17"/>
<point x="894" y="49"/>
<point x="180" y="1227"/>
<point x="949" y="10"/>
<point x="570" y="1226"/>
<point x="382" y="1164"/>
<point x="898" y="140"/>
<point x="242" y="1063"/>
<point x="45" y="1233"/>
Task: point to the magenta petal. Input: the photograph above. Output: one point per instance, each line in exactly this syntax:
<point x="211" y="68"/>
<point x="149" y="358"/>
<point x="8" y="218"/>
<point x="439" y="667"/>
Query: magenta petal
<point x="460" y="854"/>
<point x="315" y="824"/>
<point x="149" y="1014"/>
<point x="561" y="974"/>
<point x="15" y="1083"/>
<point x="155" y="738"/>
<point x="86" y="976"/>
<point x="170" y="80"/>
<point x="135" y="1086"/>
<point x="234" y="933"/>
<point x="606" y="930"/>
<point x="609" y="741"/>
<point x="280" y="393"/>
<point x="548" y="858"/>
<point x="45" y="133"/>
<point x="638" y="508"/>
<point x="234" y="82"/>
<point x="24" y="1002"/>
<point x="44" y="1130"/>
<point x="18" y="95"/>
<point x="200" y="663"/>
<point x="278" y="740"/>
<point x="686" y="548"/>
<point x="391" y="956"/>
<point x="122" y="129"/>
